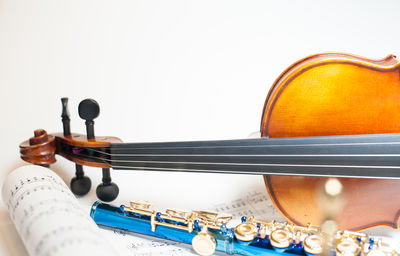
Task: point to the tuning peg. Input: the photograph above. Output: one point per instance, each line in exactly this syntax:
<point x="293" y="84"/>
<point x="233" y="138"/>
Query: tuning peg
<point x="80" y="184"/>
<point x="88" y="110"/>
<point x="107" y="191"/>
<point x="65" y="117"/>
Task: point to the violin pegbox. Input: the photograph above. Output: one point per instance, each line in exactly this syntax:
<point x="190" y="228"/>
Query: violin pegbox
<point x="41" y="150"/>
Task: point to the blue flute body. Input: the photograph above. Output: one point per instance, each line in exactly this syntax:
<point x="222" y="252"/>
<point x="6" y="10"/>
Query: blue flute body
<point x="116" y="217"/>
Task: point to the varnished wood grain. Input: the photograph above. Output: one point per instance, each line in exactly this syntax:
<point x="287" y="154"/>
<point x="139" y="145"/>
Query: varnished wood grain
<point x="43" y="151"/>
<point x="80" y="140"/>
<point x="39" y="149"/>
<point x="335" y="94"/>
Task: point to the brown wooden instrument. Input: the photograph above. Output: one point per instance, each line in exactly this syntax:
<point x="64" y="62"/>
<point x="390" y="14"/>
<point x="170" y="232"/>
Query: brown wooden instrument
<point x="335" y="94"/>
<point x="321" y="95"/>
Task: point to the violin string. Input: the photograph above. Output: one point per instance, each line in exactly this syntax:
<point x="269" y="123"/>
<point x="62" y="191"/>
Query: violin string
<point x="115" y="165"/>
<point x="249" y="172"/>
<point x="268" y="165"/>
<point x="266" y="146"/>
<point x="261" y="155"/>
<point x="248" y="155"/>
<point x="244" y="164"/>
<point x="161" y="163"/>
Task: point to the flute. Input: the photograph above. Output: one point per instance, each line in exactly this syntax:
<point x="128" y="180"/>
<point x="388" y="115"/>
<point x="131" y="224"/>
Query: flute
<point x="208" y="232"/>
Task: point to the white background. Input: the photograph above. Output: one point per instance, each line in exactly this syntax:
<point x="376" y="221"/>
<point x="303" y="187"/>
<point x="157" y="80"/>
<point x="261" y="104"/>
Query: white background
<point x="167" y="71"/>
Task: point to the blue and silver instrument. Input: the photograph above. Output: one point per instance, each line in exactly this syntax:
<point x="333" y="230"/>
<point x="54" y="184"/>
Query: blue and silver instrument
<point x="208" y="232"/>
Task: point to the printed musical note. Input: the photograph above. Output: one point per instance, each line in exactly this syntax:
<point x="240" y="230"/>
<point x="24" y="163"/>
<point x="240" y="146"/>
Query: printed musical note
<point x="138" y="245"/>
<point x="255" y="203"/>
<point x="48" y="217"/>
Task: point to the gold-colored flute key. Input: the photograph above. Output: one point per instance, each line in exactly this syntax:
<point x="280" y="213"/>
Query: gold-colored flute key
<point x="204" y="243"/>
<point x="210" y="231"/>
<point x="281" y="238"/>
<point x="381" y="248"/>
<point x="347" y="246"/>
<point x="141" y="205"/>
<point x="246" y="232"/>
<point x="177" y="213"/>
<point x="214" y="218"/>
<point x="314" y="244"/>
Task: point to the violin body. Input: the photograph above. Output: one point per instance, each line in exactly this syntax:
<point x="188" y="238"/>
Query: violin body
<point x="321" y="95"/>
<point x="335" y="94"/>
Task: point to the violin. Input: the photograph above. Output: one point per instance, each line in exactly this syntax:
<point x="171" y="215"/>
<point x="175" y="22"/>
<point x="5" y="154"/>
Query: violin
<point x="327" y="115"/>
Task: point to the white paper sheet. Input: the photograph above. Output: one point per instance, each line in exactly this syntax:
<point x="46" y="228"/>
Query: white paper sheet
<point x="48" y="217"/>
<point x="256" y="203"/>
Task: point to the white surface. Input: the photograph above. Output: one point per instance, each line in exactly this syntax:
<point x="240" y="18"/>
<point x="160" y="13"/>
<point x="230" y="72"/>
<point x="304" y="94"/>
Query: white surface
<point x="167" y="70"/>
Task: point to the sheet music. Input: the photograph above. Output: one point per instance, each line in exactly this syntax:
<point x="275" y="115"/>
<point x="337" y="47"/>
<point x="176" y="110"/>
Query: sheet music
<point x="48" y="217"/>
<point x="255" y="203"/>
<point x="134" y="244"/>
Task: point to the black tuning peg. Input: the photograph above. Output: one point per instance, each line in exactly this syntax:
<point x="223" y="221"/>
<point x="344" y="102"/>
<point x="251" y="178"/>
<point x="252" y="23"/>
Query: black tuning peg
<point x="80" y="184"/>
<point x="88" y="110"/>
<point x="107" y="191"/>
<point x="65" y="117"/>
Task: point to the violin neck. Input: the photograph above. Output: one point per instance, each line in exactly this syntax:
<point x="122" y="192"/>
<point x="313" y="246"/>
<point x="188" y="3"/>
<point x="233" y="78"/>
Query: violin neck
<point x="361" y="156"/>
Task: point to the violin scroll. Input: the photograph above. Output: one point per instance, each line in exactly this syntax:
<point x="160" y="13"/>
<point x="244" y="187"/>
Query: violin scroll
<point x="40" y="149"/>
<point x="78" y="148"/>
